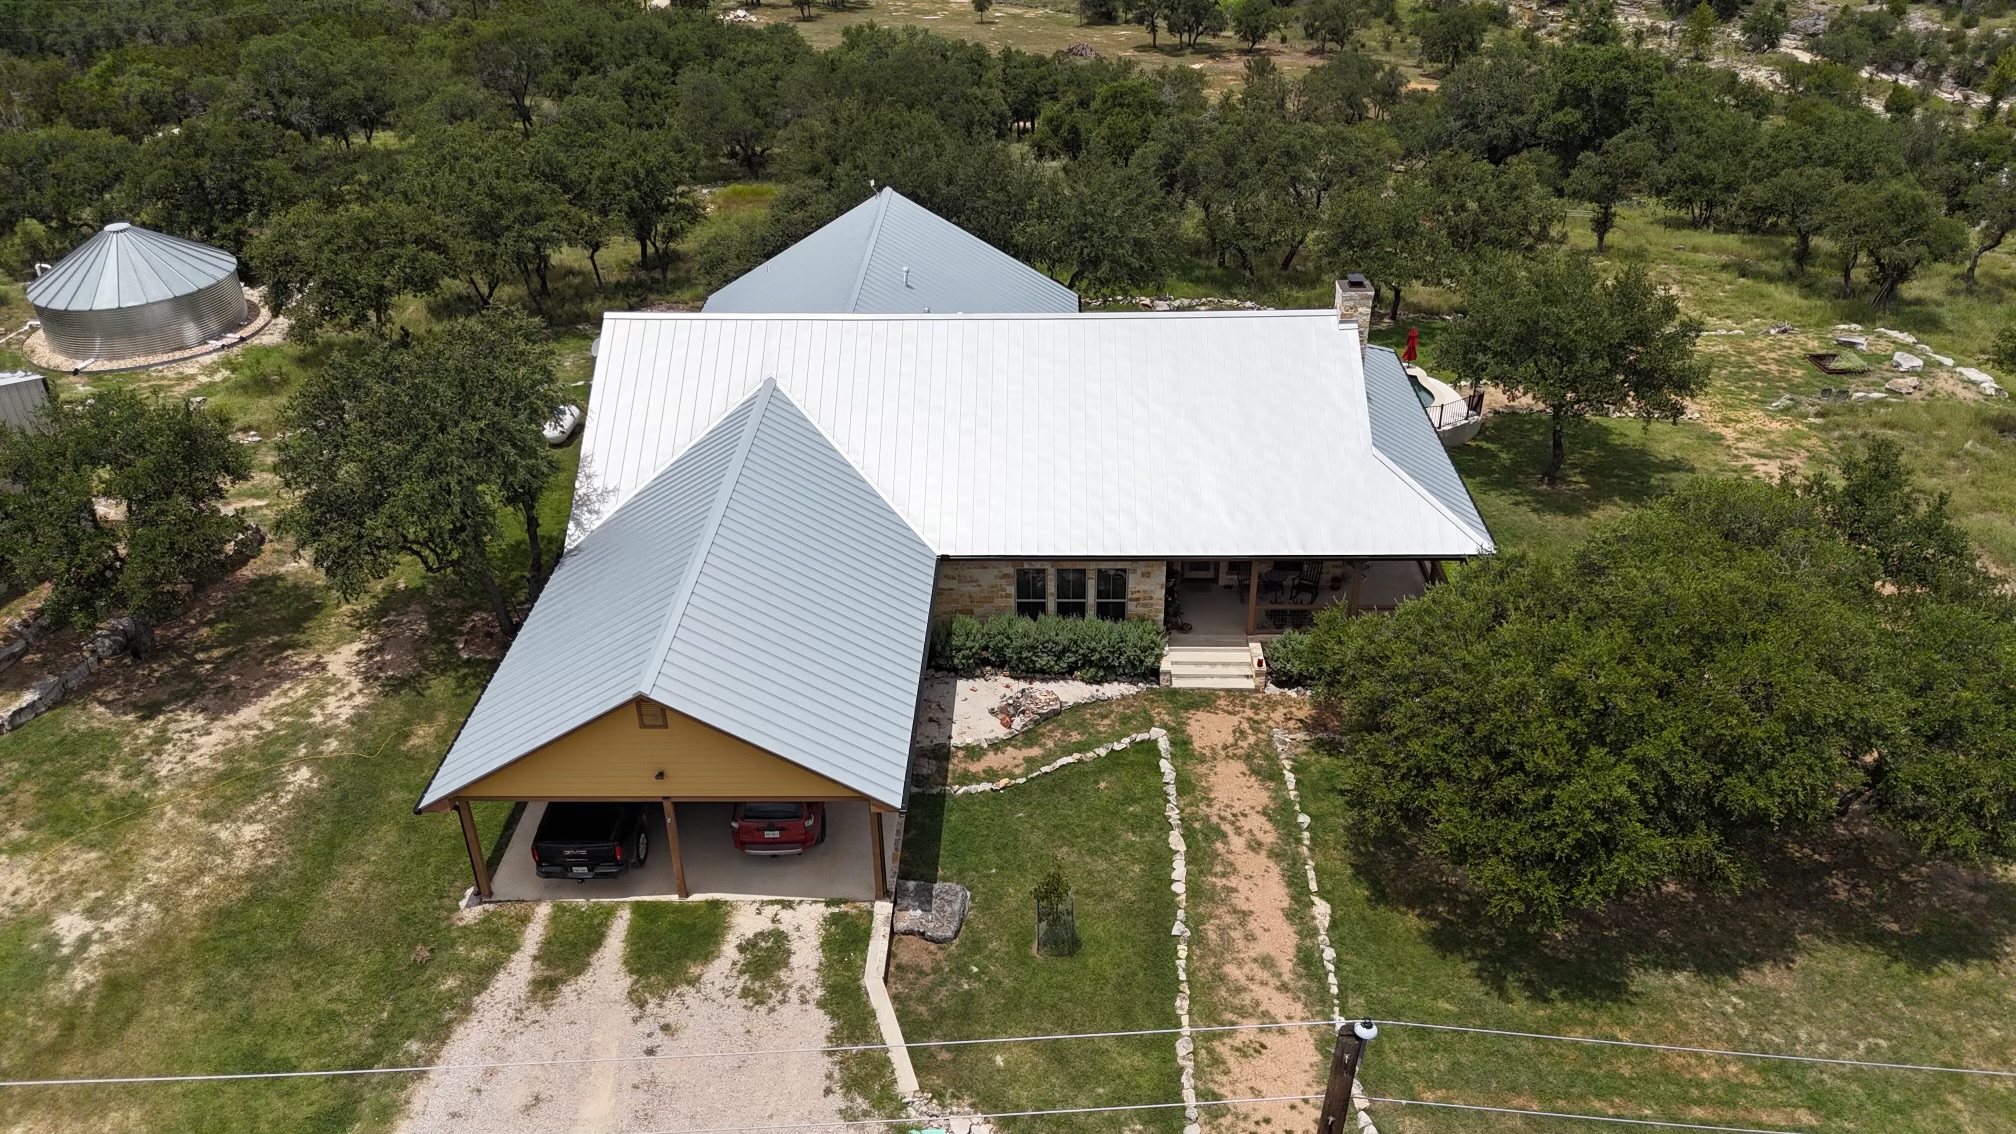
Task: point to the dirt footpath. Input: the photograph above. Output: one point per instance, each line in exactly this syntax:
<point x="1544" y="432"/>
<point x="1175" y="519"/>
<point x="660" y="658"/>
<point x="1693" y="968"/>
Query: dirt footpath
<point x="1243" y="957"/>
<point x="594" y="1017"/>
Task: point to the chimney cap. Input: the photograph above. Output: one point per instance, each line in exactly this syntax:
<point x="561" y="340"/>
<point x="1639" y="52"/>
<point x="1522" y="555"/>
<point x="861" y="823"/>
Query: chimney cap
<point x="1356" y="279"/>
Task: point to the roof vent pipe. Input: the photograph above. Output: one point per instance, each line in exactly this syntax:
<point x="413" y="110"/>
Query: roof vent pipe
<point x="1354" y="307"/>
<point x="906" y="277"/>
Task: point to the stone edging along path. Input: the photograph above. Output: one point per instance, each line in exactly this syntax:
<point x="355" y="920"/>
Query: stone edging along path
<point x="1054" y="765"/>
<point x="1319" y="912"/>
<point x="1186" y="1044"/>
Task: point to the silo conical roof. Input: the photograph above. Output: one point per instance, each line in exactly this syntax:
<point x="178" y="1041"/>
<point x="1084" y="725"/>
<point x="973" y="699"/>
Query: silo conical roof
<point x="128" y="266"/>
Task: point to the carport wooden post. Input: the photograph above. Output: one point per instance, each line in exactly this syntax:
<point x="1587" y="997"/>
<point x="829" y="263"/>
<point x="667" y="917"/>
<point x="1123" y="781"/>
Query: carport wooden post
<point x="881" y="864"/>
<point x="475" y="848"/>
<point x="672" y="840"/>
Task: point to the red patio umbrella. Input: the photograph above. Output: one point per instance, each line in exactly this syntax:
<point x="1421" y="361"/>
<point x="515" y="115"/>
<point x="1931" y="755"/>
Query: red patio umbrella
<point x="1413" y="341"/>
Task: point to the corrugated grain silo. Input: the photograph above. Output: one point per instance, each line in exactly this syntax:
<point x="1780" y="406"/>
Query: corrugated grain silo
<point x="130" y="291"/>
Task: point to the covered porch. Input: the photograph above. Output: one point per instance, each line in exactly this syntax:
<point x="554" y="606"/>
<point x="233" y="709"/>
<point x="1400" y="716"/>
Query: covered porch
<point x="1228" y="602"/>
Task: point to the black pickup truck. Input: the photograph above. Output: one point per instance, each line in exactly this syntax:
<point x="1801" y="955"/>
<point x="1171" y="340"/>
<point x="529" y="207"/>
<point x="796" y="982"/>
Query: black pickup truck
<point x="591" y="840"/>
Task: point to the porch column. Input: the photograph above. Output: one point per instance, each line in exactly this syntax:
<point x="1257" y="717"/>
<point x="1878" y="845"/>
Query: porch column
<point x="881" y="862"/>
<point x="1252" y="596"/>
<point x="1351" y="589"/>
<point x="672" y="840"/>
<point x="475" y="846"/>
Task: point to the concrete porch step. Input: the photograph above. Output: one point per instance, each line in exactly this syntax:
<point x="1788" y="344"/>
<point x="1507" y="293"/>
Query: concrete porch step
<point x="1208" y="667"/>
<point x="1202" y="681"/>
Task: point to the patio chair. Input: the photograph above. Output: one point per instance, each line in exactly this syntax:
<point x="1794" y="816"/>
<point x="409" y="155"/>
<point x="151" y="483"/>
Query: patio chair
<point x="1305" y="590"/>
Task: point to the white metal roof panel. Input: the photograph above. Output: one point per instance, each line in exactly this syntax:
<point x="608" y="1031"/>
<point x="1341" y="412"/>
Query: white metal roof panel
<point x="127" y="266"/>
<point x="757" y="584"/>
<point x="1149" y="435"/>
<point x="890" y="255"/>
<point x="1402" y="433"/>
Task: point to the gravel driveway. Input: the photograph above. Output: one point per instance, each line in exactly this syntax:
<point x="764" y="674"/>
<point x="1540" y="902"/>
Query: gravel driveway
<point x="594" y="1016"/>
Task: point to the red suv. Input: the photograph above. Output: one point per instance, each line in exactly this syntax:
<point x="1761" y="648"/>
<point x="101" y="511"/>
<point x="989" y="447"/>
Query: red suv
<point x="779" y="828"/>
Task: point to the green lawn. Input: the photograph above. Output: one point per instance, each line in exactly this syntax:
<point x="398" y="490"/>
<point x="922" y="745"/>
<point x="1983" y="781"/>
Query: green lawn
<point x="864" y="1078"/>
<point x="574" y="932"/>
<point x="1103" y="824"/>
<point x="328" y="943"/>
<point x="670" y="943"/>
<point x="1884" y="957"/>
<point x="1856" y="949"/>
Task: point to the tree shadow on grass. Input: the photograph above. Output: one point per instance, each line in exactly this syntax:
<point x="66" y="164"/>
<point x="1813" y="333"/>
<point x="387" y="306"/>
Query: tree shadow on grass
<point x="415" y="635"/>
<point x="241" y="639"/>
<point x="1852" y="884"/>
<point x="1609" y="464"/>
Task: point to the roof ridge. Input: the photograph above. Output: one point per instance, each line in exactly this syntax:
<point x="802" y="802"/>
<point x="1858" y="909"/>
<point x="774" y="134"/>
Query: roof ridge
<point x="655" y="660"/>
<point x="868" y="249"/>
<point x="854" y="467"/>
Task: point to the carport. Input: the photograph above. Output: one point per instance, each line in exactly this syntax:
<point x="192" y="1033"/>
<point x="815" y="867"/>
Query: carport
<point x="749" y="626"/>
<point x="708" y="865"/>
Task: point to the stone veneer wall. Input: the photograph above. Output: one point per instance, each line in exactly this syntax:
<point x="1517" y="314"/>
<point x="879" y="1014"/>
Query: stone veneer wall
<point x="986" y="587"/>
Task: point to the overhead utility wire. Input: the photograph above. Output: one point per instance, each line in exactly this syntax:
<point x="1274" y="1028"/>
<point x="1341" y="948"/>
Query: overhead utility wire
<point x="422" y="1068"/>
<point x="1578" y="1117"/>
<point x="1112" y="1108"/>
<point x="416" y="1069"/>
<point x="1121" y="1108"/>
<point x="1868" y="1063"/>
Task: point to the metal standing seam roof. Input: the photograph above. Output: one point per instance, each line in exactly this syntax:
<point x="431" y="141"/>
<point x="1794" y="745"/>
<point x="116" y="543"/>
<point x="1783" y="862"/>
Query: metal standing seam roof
<point x="1403" y="435"/>
<point x="758" y="584"/>
<point x="890" y="255"/>
<point x="128" y="266"/>
<point x="1136" y="435"/>
<point x="22" y="394"/>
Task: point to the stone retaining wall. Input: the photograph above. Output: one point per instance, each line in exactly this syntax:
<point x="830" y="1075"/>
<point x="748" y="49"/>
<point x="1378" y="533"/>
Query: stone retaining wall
<point x="120" y="636"/>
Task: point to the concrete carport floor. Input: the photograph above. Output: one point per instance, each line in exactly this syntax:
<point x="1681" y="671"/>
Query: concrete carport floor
<point x="838" y="868"/>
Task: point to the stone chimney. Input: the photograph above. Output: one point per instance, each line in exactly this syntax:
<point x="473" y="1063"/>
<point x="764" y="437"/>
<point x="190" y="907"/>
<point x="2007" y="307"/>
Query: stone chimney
<point x="1354" y="306"/>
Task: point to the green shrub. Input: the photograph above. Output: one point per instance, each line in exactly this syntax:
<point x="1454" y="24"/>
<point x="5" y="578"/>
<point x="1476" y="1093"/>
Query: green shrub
<point x="1288" y="659"/>
<point x="1089" y="649"/>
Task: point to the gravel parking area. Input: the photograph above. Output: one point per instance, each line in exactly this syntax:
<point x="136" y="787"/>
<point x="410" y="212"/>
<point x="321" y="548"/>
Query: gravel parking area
<point x="734" y="1005"/>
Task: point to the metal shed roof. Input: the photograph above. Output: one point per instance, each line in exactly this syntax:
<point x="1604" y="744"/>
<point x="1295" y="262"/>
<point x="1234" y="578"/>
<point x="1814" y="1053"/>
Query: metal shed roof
<point x="890" y="255"/>
<point x="1149" y="435"/>
<point x="128" y="266"/>
<point x="22" y="394"/>
<point x="1403" y="436"/>
<point x="758" y="584"/>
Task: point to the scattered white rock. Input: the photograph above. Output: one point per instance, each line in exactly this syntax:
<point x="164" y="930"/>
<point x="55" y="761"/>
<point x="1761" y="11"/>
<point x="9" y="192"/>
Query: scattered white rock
<point x="961" y="710"/>
<point x="1908" y="363"/>
<point x="1902" y="385"/>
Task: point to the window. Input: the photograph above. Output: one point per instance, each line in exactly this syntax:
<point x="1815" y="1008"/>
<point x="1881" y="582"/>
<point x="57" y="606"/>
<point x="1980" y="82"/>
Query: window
<point x="1032" y="591"/>
<point x="650" y="714"/>
<point x="1070" y="592"/>
<point x="1113" y="593"/>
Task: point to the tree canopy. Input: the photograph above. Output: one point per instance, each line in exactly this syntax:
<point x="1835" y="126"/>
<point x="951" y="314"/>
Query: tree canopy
<point x="1555" y="328"/>
<point x="118" y="504"/>
<point x="1713" y="674"/>
<point x="420" y="449"/>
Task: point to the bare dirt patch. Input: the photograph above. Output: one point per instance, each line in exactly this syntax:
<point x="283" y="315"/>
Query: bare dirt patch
<point x="1243" y="958"/>
<point x="959" y="711"/>
<point x="593" y="1016"/>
